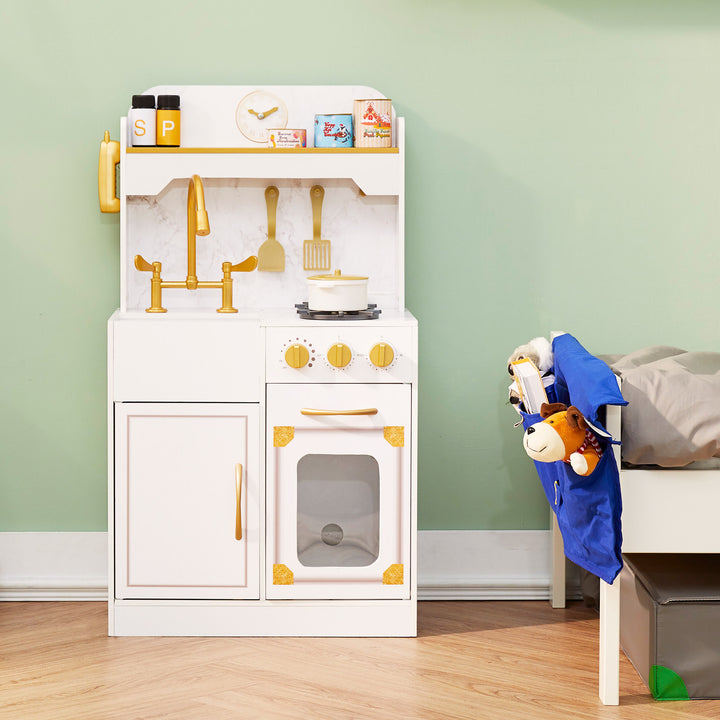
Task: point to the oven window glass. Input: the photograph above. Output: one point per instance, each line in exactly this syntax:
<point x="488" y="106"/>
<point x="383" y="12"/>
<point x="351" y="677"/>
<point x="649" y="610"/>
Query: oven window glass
<point x="338" y="510"/>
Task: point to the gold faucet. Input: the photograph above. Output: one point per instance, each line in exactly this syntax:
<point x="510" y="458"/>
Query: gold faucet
<point x="197" y="224"/>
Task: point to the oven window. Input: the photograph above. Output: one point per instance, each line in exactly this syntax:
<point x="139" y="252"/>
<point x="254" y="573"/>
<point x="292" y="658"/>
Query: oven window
<point x="338" y="510"/>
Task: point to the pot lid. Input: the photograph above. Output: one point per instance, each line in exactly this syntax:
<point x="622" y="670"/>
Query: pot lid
<point x="337" y="275"/>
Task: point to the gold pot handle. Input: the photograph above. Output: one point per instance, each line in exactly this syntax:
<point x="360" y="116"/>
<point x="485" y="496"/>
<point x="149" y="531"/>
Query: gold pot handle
<point x="238" y="501"/>
<point x="108" y="160"/>
<point x="363" y="411"/>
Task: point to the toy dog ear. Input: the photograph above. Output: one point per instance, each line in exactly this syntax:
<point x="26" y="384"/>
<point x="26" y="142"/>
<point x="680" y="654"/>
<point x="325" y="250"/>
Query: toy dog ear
<point x="548" y="409"/>
<point x="575" y="418"/>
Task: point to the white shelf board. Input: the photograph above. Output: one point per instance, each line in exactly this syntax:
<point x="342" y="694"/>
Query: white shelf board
<point x="375" y="173"/>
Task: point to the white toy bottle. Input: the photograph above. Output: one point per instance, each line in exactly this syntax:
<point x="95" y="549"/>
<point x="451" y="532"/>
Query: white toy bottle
<point x="141" y="121"/>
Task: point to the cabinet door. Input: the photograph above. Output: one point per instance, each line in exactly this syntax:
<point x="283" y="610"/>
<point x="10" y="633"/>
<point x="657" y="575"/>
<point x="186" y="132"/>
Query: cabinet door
<point x="187" y="500"/>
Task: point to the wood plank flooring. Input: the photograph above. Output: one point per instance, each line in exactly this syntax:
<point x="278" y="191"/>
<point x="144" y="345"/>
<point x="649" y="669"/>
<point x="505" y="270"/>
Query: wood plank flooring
<point x="471" y="661"/>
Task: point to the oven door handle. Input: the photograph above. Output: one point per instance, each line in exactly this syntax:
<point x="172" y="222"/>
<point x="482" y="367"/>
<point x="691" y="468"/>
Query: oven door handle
<point x="361" y="411"/>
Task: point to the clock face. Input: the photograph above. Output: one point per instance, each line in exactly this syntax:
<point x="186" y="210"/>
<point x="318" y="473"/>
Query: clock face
<point x="257" y="112"/>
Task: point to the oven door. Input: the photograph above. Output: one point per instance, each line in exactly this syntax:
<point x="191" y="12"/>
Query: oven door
<point x="338" y="491"/>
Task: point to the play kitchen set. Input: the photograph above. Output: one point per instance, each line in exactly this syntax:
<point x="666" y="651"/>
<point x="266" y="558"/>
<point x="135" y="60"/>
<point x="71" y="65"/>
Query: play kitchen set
<point x="262" y="401"/>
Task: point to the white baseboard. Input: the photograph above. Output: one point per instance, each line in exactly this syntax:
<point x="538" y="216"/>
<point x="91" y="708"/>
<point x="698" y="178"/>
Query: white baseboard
<point x="486" y="565"/>
<point x="452" y="565"/>
<point x="53" y="566"/>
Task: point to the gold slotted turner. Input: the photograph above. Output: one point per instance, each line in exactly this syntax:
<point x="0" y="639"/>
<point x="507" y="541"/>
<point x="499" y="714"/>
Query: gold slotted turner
<point x="271" y="255"/>
<point x="316" y="252"/>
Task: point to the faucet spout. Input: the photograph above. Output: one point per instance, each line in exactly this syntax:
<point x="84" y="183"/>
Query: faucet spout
<point x="197" y="224"/>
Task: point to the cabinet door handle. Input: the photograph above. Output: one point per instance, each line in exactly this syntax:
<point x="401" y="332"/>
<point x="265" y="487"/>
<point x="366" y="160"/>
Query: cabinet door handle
<point x="363" y="411"/>
<point x="238" y="501"/>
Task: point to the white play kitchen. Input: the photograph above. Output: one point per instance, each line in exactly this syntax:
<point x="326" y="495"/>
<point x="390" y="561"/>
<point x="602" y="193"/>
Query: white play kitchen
<point x="262" y="367"/>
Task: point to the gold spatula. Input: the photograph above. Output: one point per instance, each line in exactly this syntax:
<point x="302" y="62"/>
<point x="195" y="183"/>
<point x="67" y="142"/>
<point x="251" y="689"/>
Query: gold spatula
<point x="271" y="255"/>
<point x="316" y="252"/>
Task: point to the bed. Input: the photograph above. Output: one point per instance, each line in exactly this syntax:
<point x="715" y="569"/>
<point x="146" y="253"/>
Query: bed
<point x="672" y="508"/>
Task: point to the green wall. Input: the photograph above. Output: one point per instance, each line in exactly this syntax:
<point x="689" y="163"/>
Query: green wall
<point x="563" y="172"/>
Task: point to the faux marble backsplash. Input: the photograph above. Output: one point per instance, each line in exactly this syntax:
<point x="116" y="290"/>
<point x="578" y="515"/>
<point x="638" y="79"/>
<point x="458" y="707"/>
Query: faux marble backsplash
<point x="362" y="230"/>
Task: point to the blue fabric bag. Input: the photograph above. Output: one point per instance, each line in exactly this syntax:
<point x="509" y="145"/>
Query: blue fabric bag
<point x="588" y="508"/>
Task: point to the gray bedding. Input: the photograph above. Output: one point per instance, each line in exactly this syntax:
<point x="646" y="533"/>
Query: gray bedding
<point x="673" y="414"/>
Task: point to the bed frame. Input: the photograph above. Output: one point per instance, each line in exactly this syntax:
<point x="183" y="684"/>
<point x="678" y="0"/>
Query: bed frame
<point x="664" y="511"/>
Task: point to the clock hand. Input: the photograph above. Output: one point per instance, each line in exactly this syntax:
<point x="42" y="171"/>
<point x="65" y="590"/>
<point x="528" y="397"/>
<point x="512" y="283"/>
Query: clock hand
<point x="263" y="115"/>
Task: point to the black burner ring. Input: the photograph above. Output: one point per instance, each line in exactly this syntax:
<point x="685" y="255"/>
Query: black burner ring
<point x="370" y="313"/>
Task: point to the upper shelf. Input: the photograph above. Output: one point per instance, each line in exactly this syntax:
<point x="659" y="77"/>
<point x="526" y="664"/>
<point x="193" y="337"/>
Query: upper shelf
<point x="375" y="171"/>
<point x="213" y="146"/>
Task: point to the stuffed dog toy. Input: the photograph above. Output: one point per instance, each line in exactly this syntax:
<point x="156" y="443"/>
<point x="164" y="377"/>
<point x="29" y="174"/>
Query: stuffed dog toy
<point x="565" y="435"/>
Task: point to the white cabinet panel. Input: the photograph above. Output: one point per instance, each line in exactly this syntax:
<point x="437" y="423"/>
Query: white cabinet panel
<point x="216" y="359"/>
<point x="176" y="472"/>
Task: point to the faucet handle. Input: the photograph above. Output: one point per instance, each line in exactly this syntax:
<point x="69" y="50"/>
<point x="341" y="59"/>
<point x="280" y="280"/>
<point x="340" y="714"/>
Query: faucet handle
<point x="156" y="284"/>
<point x="142" y="264"/>
<point x="247" y="265"/>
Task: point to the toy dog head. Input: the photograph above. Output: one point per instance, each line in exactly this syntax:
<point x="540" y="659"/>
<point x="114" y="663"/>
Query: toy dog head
<point x="558" y="436"/>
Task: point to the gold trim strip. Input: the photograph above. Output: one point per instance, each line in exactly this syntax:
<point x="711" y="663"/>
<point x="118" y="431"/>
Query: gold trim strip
<point x="395" y="435"/>
<point x="282" y="435"/>
<point x="262" y="150"/>
<point x="282" y="575"/>
<point x="394" y="575"/>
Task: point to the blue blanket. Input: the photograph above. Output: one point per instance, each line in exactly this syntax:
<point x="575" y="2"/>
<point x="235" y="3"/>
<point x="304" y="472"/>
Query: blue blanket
<point x="588" y="508"/>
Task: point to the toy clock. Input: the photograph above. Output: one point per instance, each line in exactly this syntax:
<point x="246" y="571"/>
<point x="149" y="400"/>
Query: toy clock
<point x="259" y="111"/>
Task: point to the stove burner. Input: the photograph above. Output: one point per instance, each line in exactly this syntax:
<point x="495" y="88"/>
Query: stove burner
<point x="370" y="313"/>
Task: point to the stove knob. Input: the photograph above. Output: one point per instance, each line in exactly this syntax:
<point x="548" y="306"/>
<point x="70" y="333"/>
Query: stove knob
<point x="339" y="355"/>
<point x="382" y="355"/>
<point x="297" y="356"/>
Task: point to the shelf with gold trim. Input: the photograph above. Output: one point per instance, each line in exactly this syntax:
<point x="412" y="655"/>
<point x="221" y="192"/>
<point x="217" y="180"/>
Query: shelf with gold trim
<point x="261" y="150"/>
<point x="376" y="171"/>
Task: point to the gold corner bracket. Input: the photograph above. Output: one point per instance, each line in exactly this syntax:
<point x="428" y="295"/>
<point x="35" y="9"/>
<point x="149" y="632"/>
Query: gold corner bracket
<point x="282" y="435"/>
<point x="394" y="575"/>
<point x="395" y="435"/>
<point x="283" y="575"/>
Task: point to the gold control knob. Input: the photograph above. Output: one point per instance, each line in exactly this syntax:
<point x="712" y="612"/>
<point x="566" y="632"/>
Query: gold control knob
<point x="339" y="355"/>
<point x="382" y="355"/>
<point x="297" y="356"/>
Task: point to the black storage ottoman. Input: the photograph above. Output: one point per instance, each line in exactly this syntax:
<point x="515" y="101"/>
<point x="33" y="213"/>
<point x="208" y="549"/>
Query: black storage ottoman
<point x="670" y="623"/>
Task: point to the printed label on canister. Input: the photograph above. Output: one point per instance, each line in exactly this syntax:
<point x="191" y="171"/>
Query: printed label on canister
<point x="287" y="138"/>
<point x="168" y="128"/>
<point x="142" y="127"/>
<point x="334" y="130"/>
<point x="373" y="123"/>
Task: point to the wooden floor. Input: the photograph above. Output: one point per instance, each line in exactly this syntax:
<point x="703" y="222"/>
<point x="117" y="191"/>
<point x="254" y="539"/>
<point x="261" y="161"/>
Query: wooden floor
<point x="472" y="660"/>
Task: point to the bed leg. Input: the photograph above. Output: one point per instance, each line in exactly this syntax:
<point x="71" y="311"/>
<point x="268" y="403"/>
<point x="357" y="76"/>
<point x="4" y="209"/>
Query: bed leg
<point x="610" y="643"/>
<point x="557" y="579"/>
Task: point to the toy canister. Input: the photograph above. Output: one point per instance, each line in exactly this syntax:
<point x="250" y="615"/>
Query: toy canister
<point x="287" y="138"/>
<point x="334" y="131"/>
<point x="373" y="123"/>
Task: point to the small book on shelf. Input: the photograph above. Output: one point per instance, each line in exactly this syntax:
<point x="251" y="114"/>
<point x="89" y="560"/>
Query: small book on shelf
<point x="530" y="385"/>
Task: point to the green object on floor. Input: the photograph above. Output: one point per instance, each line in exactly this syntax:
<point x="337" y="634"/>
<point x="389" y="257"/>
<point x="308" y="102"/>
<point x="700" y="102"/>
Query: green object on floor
<point x="665" y="684"/>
